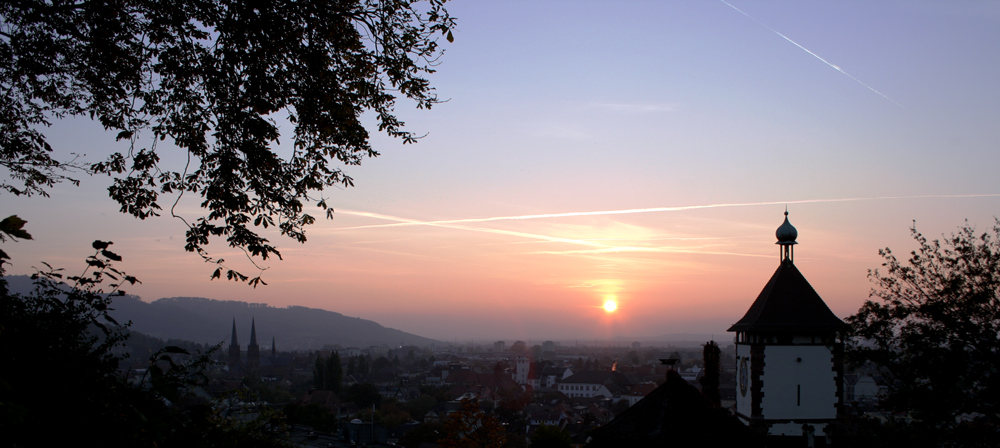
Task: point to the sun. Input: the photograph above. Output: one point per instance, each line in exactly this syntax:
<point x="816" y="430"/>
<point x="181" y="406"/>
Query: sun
<point x="610" y="306"/>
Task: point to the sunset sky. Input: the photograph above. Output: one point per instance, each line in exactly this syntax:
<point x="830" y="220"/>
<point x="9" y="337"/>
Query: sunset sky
<point x="641" y="151"/>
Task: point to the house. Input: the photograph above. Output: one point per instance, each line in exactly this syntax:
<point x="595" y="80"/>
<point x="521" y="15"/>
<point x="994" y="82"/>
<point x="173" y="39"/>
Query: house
<point x="590" y="384"/>
<point x="638" y="391"/>
<point x="862" y="388"/>
<point x="546" y="417"/>
<point x="550" y="375"/>
<point x="498" y="384"/>
<point x="674" y="414"/>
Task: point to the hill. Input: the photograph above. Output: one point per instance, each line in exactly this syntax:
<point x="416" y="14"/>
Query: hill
<point x="209" y="321"/>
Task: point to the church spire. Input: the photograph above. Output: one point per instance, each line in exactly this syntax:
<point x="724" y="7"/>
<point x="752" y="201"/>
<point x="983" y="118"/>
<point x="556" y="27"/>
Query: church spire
<point x="253" y="332"/>
<point x="233" y="342"/>
<point x="234" y="350"/>
<point x="253" y="350"/>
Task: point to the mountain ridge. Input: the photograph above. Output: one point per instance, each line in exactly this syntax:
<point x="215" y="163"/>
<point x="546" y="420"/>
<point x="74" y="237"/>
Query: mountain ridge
<point x="210" y="321"/>
<point x="293" y="327"/>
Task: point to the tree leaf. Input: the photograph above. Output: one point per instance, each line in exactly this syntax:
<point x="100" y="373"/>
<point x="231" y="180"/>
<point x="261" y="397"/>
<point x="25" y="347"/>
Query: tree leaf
<point x="14" y="226"/>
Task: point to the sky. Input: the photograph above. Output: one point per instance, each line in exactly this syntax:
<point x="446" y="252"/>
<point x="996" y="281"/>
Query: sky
<point x="639" y="151"/>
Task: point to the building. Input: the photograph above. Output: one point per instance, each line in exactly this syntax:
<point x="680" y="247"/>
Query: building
<point x="234" y="350"/>
<point x="549" y="375"/>
<point x="789" y="353"/>
<point x="235" y="361"/>
<point x="253" y="350"/>
<point x="591" y="384"/>
<point x="674" y="414"/>
<point x="522" y="366"/>
<point x="548" y="346"/>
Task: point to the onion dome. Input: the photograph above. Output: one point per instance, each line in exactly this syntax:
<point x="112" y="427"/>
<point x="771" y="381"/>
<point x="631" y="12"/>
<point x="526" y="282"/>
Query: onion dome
<point x="786" y="233"/>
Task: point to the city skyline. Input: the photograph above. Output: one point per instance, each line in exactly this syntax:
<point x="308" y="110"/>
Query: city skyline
<point x="644" y="153"/>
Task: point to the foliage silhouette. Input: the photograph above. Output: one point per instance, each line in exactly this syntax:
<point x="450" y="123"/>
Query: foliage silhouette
<point x="934" y="333"/>
<point x="470" y="427"/>
<point x="60" y="372"/>
<point x="328" y="374"/>
<point x="216" y="80"/>
<point x="365" y="395"/>
<point x="711" y="355"/>
<point x="547" y="436"/>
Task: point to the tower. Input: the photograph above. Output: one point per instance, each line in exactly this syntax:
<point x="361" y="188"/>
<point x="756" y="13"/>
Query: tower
<point x="253" y="350"/>
<point x="521" y="368"/>
<point x="789" y="354"/>
<point x="234" y="349"/>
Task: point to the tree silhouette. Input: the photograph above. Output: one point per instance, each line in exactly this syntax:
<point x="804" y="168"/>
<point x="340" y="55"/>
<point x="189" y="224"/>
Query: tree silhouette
<point x="58" y="344"/>
<point x="319" y="373"/>
<point x="934" y="332"/>
<point x="518" y="348"/>
<point x="470" y="427"/>
<point x="333" y="373"/>
<point x="215" y="79"/>
<point x="547" y="436"/>
<point x="710" y="381"/>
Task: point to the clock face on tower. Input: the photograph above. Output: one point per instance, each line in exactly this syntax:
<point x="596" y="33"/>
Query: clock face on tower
<point x="744" y="376"/>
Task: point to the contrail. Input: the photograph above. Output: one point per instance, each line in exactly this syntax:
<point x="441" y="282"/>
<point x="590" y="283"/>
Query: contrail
<point x="834" y="66"/>
<point x="644" y="249"/>
<point x="452" y="225"/>
<point x="403" y="222"/>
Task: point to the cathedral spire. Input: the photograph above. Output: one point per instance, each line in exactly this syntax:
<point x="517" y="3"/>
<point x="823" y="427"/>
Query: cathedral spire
<point x="234" y="350"/>
<point x="253" y="332"/>
<point x="233" y="342"/>
<point x="253" y="350"/>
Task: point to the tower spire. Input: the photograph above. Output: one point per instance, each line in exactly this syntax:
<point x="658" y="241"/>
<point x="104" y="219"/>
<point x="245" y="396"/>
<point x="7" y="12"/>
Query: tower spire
<point x="253" y="332"/>
<point x="786" y="235"/>
<point x="253" y="350"/>
<point x="234" y="349"/>
<point x="233" y="342"/>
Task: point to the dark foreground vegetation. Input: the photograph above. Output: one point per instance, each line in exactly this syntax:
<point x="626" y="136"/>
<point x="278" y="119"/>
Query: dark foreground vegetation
<point x="60" y="382"/>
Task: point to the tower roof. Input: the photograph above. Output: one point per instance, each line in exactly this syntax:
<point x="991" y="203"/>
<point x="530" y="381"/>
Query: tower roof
<point x="787" y="304"/>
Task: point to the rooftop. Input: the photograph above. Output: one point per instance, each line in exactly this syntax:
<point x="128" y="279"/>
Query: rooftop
<point x="789" y="303"/>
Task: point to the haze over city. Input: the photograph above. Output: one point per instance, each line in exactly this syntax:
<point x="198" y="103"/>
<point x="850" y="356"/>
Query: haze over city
<point x="640" y="152"/>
